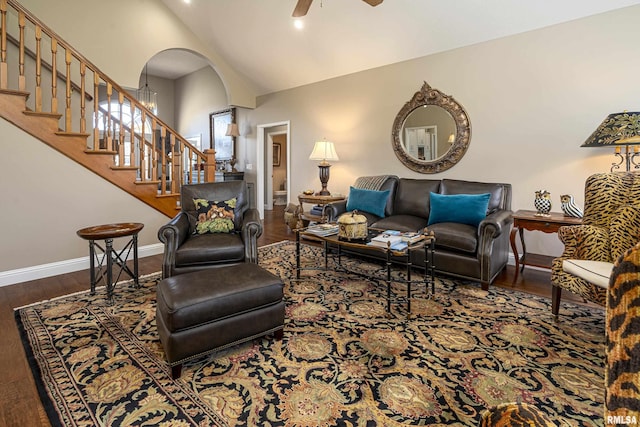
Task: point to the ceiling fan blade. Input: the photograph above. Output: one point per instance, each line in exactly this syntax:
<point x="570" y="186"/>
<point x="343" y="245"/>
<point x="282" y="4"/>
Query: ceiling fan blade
<point x="372" y="2"/>
<point x="302" y="7"/>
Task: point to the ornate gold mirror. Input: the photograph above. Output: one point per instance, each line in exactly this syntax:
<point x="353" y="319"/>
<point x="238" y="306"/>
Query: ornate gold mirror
<point x="431" y="132"/>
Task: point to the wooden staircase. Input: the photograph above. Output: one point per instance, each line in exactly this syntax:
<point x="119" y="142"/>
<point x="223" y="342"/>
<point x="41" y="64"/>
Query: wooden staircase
<point x="119" y="139"/>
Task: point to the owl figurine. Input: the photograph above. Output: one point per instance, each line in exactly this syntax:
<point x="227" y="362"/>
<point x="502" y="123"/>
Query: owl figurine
<point x="569" y="207"/>
<point x="542" y="203"/>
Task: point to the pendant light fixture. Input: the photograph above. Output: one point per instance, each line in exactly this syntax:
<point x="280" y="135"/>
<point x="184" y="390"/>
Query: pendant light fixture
<point x="147" y="96"/>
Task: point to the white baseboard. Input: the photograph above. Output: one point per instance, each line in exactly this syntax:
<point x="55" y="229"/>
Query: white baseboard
<point x="20" y="275"/>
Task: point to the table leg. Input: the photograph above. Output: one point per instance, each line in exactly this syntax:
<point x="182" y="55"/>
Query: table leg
<point x="388" y="281"/>
<point x="514" y="249"/>
<point x="92" y="266"/>
<point x="135" y="261"/>
<point x="524" y="249"/>
<point x="297" y="255"/>
<point x="408" y="282"/>
<point x="109" y="255"/>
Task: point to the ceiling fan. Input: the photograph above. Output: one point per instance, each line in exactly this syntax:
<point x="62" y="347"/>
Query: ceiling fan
<point x="302" y="7"/>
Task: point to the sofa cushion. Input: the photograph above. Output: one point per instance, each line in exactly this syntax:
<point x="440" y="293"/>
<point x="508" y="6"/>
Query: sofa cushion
<point x="412" y="196"/>
<point x="371" y="201"/>
<point x="596" y="272"/>
<point x="468" y="209"/>
<point x="401" y="222"/>
<point x="497" y="191"/>
<point x="459" y="237"/>
<point x="203" y="249"/>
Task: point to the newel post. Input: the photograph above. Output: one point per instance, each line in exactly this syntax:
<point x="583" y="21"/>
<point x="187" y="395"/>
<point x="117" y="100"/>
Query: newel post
<point x="210" y="165"/>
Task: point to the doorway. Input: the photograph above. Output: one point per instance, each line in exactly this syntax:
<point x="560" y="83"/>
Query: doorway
<point x="273" y="154"/>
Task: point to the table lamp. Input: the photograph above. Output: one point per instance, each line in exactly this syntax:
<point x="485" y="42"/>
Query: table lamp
<point x="324" y="151"/>
<point x="619" y="129"/>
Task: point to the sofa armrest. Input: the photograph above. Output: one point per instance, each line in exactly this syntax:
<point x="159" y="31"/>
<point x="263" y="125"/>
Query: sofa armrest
<point x="251" y="230"/>
<point x="333" y="210"/>
<point x="173" y="234"/>
<point x="495" y="223"/>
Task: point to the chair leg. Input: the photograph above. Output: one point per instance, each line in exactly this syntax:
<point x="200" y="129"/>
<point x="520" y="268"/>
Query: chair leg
<point x="176" y="371"/>
<point x="279" y="334"/>
<point x="556" y="293"/>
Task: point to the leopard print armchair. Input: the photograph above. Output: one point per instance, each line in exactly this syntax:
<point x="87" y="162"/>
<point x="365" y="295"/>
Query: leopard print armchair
<point x="611" y="225"/>
<point x="622" y="369"/>
<point x="622" y="357"/>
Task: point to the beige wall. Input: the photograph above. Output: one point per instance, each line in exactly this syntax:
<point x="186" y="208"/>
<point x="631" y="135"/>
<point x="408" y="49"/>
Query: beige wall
<point x="532" y="100"/>
<point x="120" y="36"/>
<point x="196" y="96"/>
<point x="46" y="198"/>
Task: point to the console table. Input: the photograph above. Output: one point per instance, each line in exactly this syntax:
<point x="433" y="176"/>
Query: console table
<point x="528" y="220"/>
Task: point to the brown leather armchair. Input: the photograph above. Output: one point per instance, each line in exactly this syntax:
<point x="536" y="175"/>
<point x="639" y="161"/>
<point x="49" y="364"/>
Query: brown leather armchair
<point x="186" y="251"/>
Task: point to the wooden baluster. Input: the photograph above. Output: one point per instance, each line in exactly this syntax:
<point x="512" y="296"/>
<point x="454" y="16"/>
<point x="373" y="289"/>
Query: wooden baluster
<point x="22" y="83"/>
<point x="83" y="106"/>
<point x="38" y="69"/>
<point x="54" y="76"/>
<point x="67" y="113"/>
<point x="3" y="45"/>
<point x="178" y="175"/>
<point x="121" y="129"/>
<point x="143" y="143"/>
<point x="96" y="112"/>
<point x="165" y="168"/>
<point x="109" y="142"/>
<point x="132" y="133"/>
<point x="154" y="151"/>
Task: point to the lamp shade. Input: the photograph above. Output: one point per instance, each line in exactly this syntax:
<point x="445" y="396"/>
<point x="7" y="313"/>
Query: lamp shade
<point x="232" y="130"/>
<point x="324" y="151"/>
<point x="616" y="129"/>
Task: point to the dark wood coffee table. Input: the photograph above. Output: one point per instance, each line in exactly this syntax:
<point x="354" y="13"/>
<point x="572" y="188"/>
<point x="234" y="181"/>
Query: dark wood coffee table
<point x="333" y="247"/>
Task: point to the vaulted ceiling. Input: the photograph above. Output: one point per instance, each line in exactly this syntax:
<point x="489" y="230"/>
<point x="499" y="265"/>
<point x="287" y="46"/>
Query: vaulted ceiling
<point x="258" y="38"/>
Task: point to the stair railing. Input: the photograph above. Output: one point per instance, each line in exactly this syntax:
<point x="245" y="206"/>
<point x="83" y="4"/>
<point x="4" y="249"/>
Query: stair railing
<point x="111" y="118"/>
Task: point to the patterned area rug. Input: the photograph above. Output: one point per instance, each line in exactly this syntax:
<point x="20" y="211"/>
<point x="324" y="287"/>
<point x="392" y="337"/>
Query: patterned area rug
<point x="342" y="361"/>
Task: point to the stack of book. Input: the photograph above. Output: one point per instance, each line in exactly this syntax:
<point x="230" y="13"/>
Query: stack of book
<point x="387" y="238"/>
<point x="323" y="229"/>
<point x="412" y="237"/>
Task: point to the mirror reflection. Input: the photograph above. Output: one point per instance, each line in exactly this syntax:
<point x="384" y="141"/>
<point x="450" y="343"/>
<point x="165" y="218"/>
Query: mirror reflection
<point x="431" y="132"/>
<point x="428" y="132"/>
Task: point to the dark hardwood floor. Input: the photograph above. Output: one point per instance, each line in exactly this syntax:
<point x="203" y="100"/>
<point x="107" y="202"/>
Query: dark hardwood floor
<point x="20" y="402"/>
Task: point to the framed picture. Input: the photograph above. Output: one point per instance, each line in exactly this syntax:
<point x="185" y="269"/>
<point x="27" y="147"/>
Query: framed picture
<point x="276" y="153"/>
<point x="224" y="145"/>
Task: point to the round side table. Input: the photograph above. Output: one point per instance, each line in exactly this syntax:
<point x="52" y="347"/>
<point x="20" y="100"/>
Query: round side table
<point x="108" y="232"/>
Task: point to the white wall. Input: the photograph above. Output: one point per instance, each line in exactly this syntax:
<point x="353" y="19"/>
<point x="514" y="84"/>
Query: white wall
<point x="532" y="100"/>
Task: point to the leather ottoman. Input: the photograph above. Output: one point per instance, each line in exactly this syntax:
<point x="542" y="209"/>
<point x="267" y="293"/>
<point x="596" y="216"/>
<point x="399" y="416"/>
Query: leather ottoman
<point x="205" y="311"/>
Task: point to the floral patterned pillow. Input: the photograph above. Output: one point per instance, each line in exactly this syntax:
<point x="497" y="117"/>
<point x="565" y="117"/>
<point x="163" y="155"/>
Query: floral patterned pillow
<point x="214" y="216"/>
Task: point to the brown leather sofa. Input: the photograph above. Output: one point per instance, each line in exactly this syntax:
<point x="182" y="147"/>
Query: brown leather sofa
<point x="186" y="251"/>
<point x="461" y="250"/>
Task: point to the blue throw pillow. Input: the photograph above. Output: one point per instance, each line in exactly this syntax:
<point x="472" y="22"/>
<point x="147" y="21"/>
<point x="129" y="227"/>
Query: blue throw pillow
<point x="371" y="201"/>
<point x="468" y="209"/>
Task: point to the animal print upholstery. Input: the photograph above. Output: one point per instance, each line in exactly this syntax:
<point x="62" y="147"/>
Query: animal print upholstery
<point x="622" y="371"/>
<point x="611" y="224"/>
<point x="622" y="366"/>
<point x="514" y="415"/>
